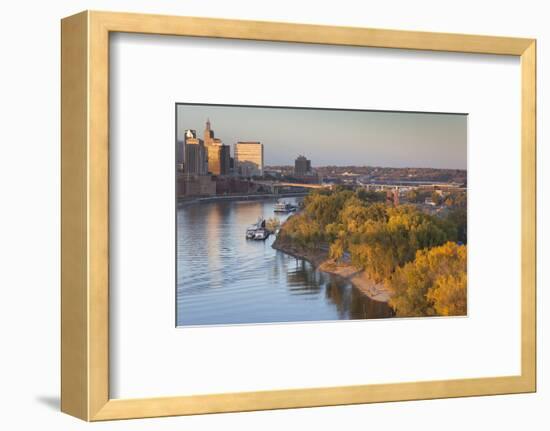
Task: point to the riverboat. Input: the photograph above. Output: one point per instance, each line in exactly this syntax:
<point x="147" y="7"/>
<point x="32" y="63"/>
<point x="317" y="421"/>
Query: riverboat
<point x="261" y="234"/>
<point x="283" y="207"/>
<point x="251" y="230"/>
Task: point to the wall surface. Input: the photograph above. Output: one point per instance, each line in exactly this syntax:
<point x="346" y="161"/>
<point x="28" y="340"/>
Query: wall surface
<point x="30" y="227"/>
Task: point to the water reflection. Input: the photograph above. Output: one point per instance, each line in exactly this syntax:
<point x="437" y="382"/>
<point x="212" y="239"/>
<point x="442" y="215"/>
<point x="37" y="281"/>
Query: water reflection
<point x="303" y="280"/>
<point x="222" y="278"/>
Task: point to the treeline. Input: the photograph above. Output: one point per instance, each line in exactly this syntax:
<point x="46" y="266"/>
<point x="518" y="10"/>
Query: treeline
<point x="421" y="258"/>
<point x="454" y="199"/>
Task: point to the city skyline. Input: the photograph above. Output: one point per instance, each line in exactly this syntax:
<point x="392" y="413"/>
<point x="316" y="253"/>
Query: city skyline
<point x="369" y="138"/>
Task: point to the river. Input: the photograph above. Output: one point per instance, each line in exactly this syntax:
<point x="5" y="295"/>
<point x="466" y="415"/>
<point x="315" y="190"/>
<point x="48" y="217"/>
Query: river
<point x="223" y="278"/>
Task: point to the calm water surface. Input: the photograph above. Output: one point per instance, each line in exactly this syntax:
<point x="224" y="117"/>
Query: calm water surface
<point x="223" y="278"/>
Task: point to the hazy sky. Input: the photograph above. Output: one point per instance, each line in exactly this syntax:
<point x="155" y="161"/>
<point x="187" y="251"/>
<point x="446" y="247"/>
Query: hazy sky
<point x="336" y="137"/>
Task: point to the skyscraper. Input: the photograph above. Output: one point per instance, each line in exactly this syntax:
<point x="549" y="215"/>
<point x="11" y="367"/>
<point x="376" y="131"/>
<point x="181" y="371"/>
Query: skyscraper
<point x="195" y="181"/>
<point x="225" y="160"/>
<point x="302" y="167"/>
<point x="249" y="158"/>
<point x="195" y="161"/>
<point x="208" y="133"/>
<point x="218" y="153"/>
<point x="218" y="159"/>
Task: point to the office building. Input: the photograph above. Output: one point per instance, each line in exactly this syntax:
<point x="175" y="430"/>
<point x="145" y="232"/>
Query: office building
<point x="218" y="159"/>
<point x="195" y="156"/>
<point x="302" y="167"/>
<point x="218" y="153"/>
<point x="249" y="158"/>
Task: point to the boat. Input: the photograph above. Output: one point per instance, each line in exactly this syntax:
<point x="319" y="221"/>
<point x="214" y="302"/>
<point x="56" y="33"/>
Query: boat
<point x="283" y="207"/>
<point x="250" y="232"/>
<point x="261" y="234"/>
<point x="252" y="229"/>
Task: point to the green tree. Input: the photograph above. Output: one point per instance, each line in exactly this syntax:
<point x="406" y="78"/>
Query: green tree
<point x="325" y="208"/>
<point x="413" y="196"/>
<point x="370" y="196"/>
<point x="459" y="218"/>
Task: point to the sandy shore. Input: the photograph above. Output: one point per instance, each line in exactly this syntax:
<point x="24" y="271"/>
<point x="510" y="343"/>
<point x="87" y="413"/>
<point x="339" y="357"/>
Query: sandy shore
<point x="359" y="279"/>
<point x="320" y="260"/>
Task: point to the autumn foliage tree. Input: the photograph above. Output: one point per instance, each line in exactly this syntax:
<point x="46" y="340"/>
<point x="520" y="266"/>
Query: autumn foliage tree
<point x="449" y="295"/>
<point x="434" y="283"/>
<point x="384" y="243"/>
<point x="414" y="253"/>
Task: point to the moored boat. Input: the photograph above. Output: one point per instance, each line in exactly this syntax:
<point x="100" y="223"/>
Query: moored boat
<point x="252" y="229"/>
<point x="261" y="234"/>
<point x="283" y="207"/>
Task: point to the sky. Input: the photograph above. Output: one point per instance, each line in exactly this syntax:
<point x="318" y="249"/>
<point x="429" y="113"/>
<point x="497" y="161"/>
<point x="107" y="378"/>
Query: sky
<point x="336" y="137"/>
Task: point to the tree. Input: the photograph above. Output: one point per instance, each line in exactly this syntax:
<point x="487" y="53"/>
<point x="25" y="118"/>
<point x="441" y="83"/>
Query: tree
<point x="273" y="224"/>
<point x="400" y="246"/>
<point x="337" y="250"/>
<point x="302" y="231"/>
<point x="433" y="284"/>
<point x="325" y="208"/>
<point x="457" y="199"/>
<point x="449" y="295"/>
<point x="437" y="198"/>
<point x="459" y="217"/>
<point x="369" y="196"/>
<point x="353" y="215"/>
<point x="380" y="239"/>
<point x="413" y="196"/>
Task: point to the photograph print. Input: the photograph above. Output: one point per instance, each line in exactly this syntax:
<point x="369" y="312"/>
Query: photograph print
<point x="301" y="214"/>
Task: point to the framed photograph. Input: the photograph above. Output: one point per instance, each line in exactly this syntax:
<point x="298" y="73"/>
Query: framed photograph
<point x="264" y="215"/>
<point x="383" y="203"/>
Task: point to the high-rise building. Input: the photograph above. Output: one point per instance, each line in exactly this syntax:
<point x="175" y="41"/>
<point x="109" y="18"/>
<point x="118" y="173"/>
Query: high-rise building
<point x="180" y="154"/>
<point x="195" y="157"/>
<point x="225" y="160"/>
<point x="218" y="159"/>
<point x="208" y="133"/>
<point x="218" y="153"/>
<point x="302" y="167"/>
<point x="249" y="158"/>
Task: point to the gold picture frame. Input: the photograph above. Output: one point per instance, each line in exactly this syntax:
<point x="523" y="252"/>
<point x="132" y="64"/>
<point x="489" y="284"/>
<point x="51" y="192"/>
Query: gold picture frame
<point x="85" y="219"/>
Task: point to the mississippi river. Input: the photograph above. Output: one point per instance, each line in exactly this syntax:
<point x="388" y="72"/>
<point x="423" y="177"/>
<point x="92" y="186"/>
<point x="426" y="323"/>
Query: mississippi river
<point x="223" y="278"/>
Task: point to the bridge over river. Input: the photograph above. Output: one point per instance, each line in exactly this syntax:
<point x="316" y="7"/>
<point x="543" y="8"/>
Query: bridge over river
<point x="276" y="186"/>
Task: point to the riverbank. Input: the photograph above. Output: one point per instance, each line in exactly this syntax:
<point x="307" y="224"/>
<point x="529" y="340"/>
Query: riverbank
<point x="320" y="260"/>
<point x="252" y="197"/>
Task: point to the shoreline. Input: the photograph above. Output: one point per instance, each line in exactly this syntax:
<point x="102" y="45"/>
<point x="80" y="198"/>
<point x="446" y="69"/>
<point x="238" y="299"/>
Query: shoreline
<point x="182" y="201"/>
<point x="320" y="261"/>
